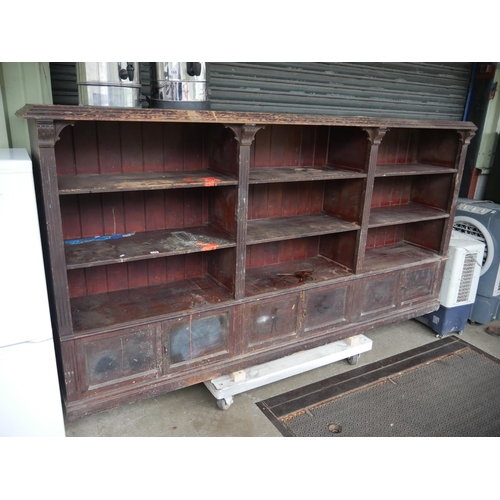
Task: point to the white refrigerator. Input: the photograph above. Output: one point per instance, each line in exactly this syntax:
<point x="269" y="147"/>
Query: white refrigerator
<point x="30" y="399"/>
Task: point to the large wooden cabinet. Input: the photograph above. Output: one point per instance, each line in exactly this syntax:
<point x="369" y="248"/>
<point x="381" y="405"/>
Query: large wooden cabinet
<point x="182" y="245"/>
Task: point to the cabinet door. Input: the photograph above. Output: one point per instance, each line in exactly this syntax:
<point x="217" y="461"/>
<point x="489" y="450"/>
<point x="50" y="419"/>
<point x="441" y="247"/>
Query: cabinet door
<point x="270" y="322"/>
<point x="377" y="295"/>
<point x="120" y="358"/>
<point x="420" y="284"/>
<point x="196" y="338"/>
<point x="327" y="307"/>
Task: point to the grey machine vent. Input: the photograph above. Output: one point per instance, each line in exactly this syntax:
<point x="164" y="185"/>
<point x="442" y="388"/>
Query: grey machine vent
<point x="475" y="232"/>
<point x="467" y="277"/>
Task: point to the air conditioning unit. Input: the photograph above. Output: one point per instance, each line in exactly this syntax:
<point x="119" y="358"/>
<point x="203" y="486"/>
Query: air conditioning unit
<point x="481" y="221"/>
<point x="459" y="287"/>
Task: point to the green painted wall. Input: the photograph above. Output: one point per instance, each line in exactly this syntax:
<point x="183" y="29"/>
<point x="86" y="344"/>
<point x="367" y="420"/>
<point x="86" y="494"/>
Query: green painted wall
<point x="21" y="83"/>
<point x="491" y="130"/>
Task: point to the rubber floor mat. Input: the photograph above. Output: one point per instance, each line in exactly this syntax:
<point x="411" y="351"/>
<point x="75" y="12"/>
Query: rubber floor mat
<point x="446" y="388"/>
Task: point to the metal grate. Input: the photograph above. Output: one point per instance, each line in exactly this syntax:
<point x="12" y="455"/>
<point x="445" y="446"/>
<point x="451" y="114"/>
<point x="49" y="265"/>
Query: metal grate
<point x="467" y="277"/>
<point x="475" y="232"/>
<point x="454" y="395"/>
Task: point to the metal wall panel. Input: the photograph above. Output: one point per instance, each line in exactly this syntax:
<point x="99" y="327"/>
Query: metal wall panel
<point x="410" y="90"/>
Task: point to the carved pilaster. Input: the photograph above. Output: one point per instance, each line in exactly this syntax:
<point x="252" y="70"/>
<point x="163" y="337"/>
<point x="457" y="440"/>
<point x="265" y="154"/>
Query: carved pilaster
<point x="49" y="132"/>
<point x="245" y="134"/>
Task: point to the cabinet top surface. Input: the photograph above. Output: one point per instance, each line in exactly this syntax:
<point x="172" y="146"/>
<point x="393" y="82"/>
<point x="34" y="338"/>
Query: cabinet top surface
<point x="94" y="113"/>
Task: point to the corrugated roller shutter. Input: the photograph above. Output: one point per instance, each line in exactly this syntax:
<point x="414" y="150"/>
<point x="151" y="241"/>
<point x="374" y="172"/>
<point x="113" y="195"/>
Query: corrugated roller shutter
<point x="411" y="90"/>
<point x="423" y="90"/>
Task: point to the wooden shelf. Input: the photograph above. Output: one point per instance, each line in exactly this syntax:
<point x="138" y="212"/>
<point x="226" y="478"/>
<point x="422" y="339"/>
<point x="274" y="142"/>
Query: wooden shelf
<point x="134" y="305"/>
<point x="105" y="113"/>
<point x="398" y="255"/>
<point x="293" y="211"/>
<point x="297" y="174"/>
<point x="403" y="214"/>
<point x="107" y="183"/>
<point x="299" y="226"/>
<point x="146" y="245"/>
<point x="411" y="169"/>
<point x="268" y="278"/>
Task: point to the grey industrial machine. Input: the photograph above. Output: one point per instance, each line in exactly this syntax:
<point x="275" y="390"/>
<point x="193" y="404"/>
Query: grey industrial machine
<point x="481" y="220"/>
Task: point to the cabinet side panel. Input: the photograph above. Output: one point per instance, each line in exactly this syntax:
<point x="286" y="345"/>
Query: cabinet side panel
<point x="434" y="191"/>
<point x="70" y="371"/>
<point x="326" y="307"/>
<point x="222" y="149"/>
<point x="221" y="266"/>
<point x="292" y="146"/>
<point x="222" y="208"/>
<point x="265" y="254"/>
<point x="307" y="149"/>
<point x="109" y="147"/>
<point x="152" y="147"/>
<point x="274" y="200"/>
<point x="131" y="147"/>
<point x="385" y="236"/>
<point x="113" y="213"/>
<point x="344" y="199"/>
<point x="341" y="248"/>
<point x="91" y="215"/>
<point x="193" y="147"/>
<point x="285" y="199"/>
<point x="199" y="338"/>
<point x="378" y="295"/>
<point x="421" y="283"/>
<point x="438" y="147"/>
<point x="388" y="191"/>
<point x="157" y="271"/>
<point x="86" y="150"/>
<point x="134" y="211"/>
<point x="399" y="146"/>
<point x="70" y="217"/>
<point x="65" y="153"/>
<point x="117" y="276"/>
<point x="321" y="145"/>
<point x="428" y="234"/>
<point x="77" y="283"/>
<point x="118" y="359"/>
<point x="270" y="322"/>
<point x="154" y="205"/>
<point x="113" y="277"/>
<point x="347" y="147"/>
<point x="137" y="273"/>
<point x="96" y="280"/>
<point x="173" y="156"/>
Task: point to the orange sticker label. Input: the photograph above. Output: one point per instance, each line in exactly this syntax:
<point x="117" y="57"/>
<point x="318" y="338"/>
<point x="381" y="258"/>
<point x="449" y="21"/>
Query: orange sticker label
<point x="207" y="246"/>
<point x="210" y="181"/>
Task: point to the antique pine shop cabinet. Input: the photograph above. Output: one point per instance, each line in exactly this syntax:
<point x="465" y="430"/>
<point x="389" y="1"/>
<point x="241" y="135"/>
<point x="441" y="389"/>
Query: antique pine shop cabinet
<point x="183" y="245"/>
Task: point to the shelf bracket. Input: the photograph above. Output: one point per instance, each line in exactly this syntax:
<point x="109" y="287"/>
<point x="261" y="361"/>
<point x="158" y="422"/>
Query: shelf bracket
<point x="245" y="134"/>
<point x="49" y="131"/>
<point x="466" y="136"/>
<point x="375" y="135"/>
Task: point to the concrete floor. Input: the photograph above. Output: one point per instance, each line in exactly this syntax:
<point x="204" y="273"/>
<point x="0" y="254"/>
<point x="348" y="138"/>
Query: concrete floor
<point x="192" y="412"/>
